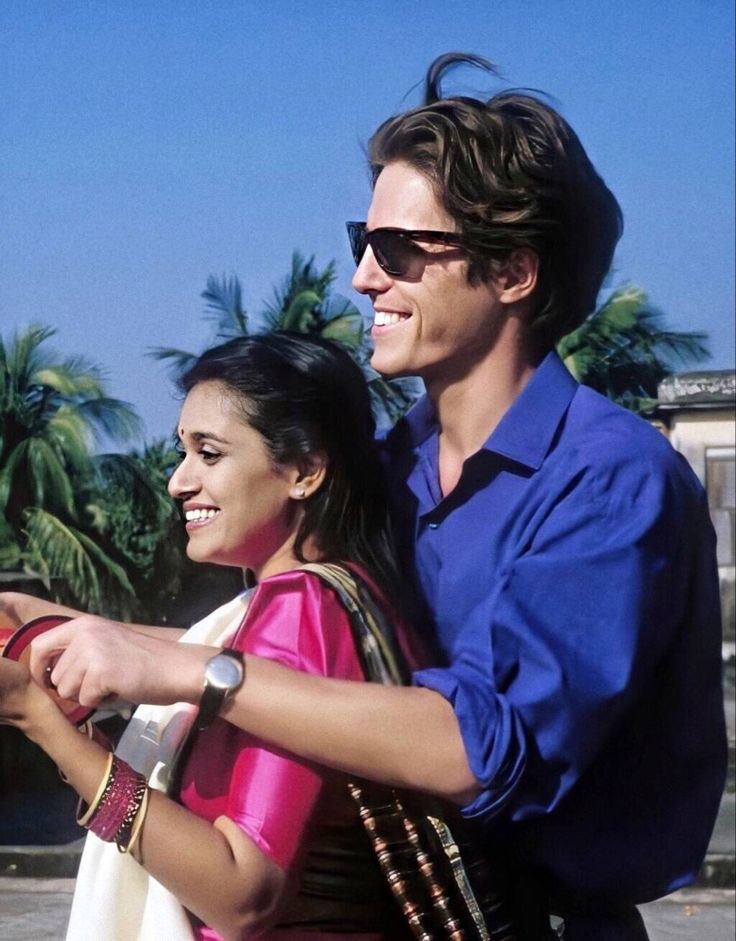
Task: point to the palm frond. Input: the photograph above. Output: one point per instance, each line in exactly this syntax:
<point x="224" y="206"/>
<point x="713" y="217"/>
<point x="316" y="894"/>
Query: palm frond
<point x="624" y="349"/>
<point x="179" y="360"/>
<point x="143" y="484"/>
<point x="34" y="473"/>
<point x="346" y="329"/>
<point x="23" y="358"/>
<point x="112" y="418"/>
<point x="224" y="305"/>
<point x="56" y="547"/>
<point x="70" y="556"/>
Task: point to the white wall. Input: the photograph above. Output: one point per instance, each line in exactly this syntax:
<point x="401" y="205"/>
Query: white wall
<point x="693" y="432"/>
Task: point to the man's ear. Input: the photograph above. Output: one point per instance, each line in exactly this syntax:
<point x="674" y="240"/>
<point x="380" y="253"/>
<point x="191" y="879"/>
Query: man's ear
<point x="308" y="475"/>
<point x="517" y="277"/>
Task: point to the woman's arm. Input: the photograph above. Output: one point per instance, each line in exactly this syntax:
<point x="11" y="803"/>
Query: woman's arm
<point x="19" y="608"/>
<point x="213" y="869"/>
<point x="402" y="736"/>
<point x="406" y="736"/>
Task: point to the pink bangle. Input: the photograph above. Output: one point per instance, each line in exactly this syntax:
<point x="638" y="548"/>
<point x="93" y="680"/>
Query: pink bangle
<point x="120" y="799"/>
<point x="115" y="803"/>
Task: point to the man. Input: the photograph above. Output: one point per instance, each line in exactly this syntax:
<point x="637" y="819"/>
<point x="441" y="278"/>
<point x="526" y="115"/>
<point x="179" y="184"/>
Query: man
<point x="561" y="547"/>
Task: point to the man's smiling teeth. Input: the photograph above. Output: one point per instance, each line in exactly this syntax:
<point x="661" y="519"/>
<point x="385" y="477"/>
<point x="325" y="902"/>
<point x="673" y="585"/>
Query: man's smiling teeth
<point x="385" y="318"/>
<point x="194" y="515"/>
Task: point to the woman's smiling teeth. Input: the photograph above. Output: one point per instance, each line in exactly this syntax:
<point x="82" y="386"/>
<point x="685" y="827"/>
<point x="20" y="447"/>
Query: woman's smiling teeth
<point x="195" y="516"/>
<point x="387" y="318"/>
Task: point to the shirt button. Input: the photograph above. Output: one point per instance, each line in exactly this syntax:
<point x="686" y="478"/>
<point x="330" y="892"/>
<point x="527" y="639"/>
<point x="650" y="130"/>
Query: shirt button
<point x="433" y="525"/>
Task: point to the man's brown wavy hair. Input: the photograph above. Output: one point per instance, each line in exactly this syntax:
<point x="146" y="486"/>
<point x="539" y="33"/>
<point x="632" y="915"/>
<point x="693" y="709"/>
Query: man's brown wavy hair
<point x="513" y="175"/>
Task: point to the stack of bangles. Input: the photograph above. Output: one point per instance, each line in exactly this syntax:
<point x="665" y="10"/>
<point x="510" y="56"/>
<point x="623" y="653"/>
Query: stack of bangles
<point x="119" y="808"/>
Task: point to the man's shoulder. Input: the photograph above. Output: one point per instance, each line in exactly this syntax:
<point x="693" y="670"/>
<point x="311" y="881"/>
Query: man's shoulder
<point x="605" y="438"/>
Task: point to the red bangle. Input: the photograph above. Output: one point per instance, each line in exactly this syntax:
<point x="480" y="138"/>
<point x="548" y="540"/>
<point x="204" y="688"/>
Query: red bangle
<point x="121" y="797"/>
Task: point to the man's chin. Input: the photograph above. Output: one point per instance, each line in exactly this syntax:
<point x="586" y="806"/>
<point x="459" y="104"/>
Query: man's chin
<point x="388" y="369"/>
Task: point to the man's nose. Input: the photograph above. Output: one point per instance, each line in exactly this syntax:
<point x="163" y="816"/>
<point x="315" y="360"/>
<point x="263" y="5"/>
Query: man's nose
<point x="369" y="277"/>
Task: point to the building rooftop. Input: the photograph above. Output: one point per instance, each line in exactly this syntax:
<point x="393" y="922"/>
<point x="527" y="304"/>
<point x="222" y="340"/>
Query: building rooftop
<point x="714" y="388"/>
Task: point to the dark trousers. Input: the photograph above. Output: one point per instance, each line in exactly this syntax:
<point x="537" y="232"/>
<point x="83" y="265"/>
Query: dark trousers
<point x="531" y="911"/>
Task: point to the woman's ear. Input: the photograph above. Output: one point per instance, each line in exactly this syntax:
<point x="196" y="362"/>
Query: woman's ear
<point x="308" y="475"/>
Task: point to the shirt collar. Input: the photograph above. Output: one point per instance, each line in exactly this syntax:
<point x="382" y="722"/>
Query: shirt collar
<point x="526" y="431"/>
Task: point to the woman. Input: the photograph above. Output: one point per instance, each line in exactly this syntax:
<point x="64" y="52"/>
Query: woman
<point x="278" y="469"/>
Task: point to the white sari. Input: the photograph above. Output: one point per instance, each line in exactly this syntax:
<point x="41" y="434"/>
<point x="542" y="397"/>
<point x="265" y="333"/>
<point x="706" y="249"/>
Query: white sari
<point x="115" y="899"/>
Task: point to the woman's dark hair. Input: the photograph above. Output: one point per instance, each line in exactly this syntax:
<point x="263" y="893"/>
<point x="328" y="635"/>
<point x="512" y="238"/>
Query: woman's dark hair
<point x="304" y="395"/>
<point x="512" y="174"/>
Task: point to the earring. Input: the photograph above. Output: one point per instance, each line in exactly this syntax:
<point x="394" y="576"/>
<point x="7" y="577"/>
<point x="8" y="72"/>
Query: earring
<point x="300" y="493"/>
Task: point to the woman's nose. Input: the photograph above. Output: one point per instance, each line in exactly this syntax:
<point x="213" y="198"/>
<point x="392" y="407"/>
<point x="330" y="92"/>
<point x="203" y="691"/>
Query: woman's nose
<point x="182" y="481"/>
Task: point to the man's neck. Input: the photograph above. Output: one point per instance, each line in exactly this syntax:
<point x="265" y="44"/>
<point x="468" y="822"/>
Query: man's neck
<point x="469" y="409"/>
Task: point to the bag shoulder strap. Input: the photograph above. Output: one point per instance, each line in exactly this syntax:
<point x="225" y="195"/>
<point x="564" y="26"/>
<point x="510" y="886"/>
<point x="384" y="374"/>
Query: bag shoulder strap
<point x="374" y="637"/>
<point x="414" y="845"/>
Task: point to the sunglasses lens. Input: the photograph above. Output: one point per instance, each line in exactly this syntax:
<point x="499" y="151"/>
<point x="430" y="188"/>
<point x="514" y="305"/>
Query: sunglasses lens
<point x="388" y="249"/>
<point x="396" y="254"/>
<point x="356" y="235"/>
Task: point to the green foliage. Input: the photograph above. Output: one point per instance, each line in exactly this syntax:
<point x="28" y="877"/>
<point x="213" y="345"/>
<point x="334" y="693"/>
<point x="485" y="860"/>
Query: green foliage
<point x="624" y="349"/>
<point x="132" y="504"/>
<point x="133" y="510"/>
<point x="86" y="573"/>
<point x="101" y="532"/>
<point x="303" y="302"/>
<point x="52" y="411"/>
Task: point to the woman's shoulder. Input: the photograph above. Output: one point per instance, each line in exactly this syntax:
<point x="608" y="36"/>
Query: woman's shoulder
<point x="295" y="617"/>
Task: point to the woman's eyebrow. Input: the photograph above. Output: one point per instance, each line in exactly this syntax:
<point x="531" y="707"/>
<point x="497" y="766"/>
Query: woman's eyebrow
<point x="202" y="435"/>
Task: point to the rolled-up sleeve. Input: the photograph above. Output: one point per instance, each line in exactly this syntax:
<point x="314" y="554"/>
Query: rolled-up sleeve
<point x="576" y="627"/>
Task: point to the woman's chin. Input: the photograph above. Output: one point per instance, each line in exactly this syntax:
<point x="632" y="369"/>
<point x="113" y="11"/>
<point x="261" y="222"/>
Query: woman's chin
<point x="200" y="554"/>
<point x="197" y="553"/>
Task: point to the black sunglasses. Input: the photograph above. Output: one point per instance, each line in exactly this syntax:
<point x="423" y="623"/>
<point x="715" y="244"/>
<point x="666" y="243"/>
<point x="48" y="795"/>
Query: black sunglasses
<point x="396" y="250"/>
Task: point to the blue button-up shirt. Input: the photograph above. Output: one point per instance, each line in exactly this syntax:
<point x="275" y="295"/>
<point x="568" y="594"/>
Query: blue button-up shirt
<point x="572" y="582"/>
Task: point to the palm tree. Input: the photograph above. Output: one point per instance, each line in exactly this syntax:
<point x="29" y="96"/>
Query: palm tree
<point x="303" y="302"/>
<point x="133" y="510"/>
<point x="624" y="350"/>
<point x="131" y="505"/>
<point x="52" y="412"/>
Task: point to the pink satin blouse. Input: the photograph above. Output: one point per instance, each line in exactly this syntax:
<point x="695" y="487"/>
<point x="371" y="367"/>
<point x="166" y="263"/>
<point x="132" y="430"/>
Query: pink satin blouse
<point x="273" y="796"/>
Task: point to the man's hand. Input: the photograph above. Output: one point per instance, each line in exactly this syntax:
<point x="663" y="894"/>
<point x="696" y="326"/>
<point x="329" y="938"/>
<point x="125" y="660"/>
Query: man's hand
<point x="91" y="660"/>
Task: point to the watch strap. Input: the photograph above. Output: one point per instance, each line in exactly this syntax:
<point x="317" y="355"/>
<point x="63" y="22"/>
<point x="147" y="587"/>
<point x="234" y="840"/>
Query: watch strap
<point x="214" y="696"/>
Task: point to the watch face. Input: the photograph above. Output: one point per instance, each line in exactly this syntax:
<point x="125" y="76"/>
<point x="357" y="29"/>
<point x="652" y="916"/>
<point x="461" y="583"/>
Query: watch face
<point x="224" y="672"/>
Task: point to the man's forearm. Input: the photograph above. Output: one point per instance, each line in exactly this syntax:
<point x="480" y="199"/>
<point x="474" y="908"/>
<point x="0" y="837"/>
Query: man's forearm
<point x="161" y="633"/>
<point x="396" y="735"/>
<point x="403" y="736"/>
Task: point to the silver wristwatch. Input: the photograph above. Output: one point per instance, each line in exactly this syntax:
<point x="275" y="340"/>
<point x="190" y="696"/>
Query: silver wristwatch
<point x="223" y="675"/>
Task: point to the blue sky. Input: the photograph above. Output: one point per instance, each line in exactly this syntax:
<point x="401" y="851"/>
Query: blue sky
<point x="145" y="145"/>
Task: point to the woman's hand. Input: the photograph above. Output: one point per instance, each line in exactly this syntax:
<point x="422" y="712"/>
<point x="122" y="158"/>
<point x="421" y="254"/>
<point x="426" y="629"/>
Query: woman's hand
<point x="22" y="701"/>
<point x="91" y="660"/>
